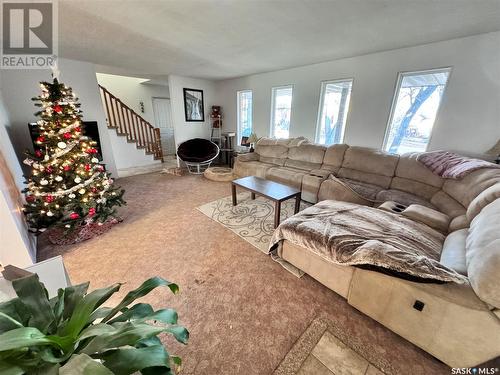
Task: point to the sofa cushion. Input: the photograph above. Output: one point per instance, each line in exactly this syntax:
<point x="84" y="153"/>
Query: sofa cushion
<point x="483" y="254"/>
<point x="310" y="187"/>
<point x="410" y="168"/>
<point x="458" y="222"/>
<point x="334" y="188"/>
<point x="251" y="168"/>
<point x="306" y="156"/>
<point x="482" y="200"/>
<point x="275" y="161"/>
<point x="447" y="204"/>
<point x="453" y="254"/>
<point x="469" y="187"/>
<point x="367" y="191"/>
<point x="401" y="197"/>
<point x="288" y="176"/>
<point x="334" y="156"/>
<point x="427" y="216"/>
<point x="370" y="160"/>
<point x="414" y="187"/>
<point x="367" y="177"/>
<point x="268" y="148"/>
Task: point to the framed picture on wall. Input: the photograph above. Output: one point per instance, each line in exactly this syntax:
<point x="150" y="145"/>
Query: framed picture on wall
<point x="193" y="105"/>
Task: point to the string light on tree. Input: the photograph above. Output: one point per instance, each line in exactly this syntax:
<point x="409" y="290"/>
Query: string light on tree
<point x="68" y="187"/>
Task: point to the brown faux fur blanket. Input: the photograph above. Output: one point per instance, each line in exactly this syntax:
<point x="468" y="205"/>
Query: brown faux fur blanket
<point x="350" y="234"/>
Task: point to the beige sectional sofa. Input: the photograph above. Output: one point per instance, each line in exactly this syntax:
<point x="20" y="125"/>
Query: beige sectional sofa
<point x="458" y="324"/>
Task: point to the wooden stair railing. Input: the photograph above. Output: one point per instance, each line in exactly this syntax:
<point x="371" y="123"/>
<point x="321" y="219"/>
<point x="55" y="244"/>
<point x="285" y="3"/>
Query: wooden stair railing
<point x="129" y="123"/>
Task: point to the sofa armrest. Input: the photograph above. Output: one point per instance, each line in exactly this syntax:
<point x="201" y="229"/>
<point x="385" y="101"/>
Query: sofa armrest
<point x="428" y="216"/>
<point x="251" y="156"/>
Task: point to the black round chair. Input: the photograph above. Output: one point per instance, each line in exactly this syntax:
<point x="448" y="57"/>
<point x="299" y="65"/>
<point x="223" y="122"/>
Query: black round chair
<point x="197" y="153"/>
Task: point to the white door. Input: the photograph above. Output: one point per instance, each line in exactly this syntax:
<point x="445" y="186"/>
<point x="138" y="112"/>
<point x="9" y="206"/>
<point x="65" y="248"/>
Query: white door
<point x="163" y="120"/>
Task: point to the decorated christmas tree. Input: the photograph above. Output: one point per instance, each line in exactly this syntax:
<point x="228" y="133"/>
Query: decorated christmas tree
<point x="68" y="187"/>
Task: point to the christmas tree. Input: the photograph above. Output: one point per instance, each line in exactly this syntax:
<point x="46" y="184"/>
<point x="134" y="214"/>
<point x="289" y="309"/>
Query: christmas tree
<point x="68" y="186"/>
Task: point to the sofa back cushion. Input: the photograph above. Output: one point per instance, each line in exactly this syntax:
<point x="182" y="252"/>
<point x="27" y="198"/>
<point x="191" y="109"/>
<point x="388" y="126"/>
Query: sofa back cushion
<point x="368" y="165"/>
<point x="482" y="200"/>
<point x="306" y="156"/>
<point x="469" y="187"/>
<point x="271" y="151"/>
<point x="445" y="203"/>
<point x="483" y="254"/>
<point x="453" y="253"/>
<point x="412" y="177"/>
<point x="334" y="156"/>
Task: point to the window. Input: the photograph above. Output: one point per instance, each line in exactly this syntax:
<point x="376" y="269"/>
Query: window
<point x="332" y="113"/>
<point x="245" y="108"/>
<point x="414" y="109"/>
<point x="281" y="105"/>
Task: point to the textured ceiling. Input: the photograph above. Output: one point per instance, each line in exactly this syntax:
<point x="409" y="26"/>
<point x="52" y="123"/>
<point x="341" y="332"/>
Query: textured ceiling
<point x="219" y="39"/>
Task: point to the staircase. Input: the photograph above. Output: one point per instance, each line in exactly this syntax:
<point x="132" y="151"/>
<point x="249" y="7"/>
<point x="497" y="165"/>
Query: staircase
<point x="130" y="124"/>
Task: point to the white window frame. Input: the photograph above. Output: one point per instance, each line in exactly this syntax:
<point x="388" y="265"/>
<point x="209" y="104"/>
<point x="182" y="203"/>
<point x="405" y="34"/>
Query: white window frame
<point x="238" y="127"/>
<point x="321" y="106"/>
<point x="273" y="91"/>
<point x="395" y="96"/>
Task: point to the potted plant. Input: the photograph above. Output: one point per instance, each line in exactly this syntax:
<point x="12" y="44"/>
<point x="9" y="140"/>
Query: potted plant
<point x="73" y="333"/>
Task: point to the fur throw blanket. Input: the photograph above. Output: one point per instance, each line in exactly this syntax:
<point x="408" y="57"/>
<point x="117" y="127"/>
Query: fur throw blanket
<point x="353" y="235"/>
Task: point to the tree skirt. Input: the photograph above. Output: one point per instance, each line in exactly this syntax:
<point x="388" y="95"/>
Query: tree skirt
<point x="60" y="236"/>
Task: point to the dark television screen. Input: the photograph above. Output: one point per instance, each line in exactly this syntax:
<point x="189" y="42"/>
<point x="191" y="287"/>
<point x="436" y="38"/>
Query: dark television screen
<point x="89" y="129"/>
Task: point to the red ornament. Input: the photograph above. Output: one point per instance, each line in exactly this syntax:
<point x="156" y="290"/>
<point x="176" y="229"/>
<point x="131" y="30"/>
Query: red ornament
<point x="101" y="168"/>
<point x="57" y="108"/>
<point x="91" y="151"/>
<point x="49" y="198"/>
<point x="67" y="135"/>
<point x="40" y="139"/>
<point x="87" y="167"/>
<point x="91" y="211"/>
<point x="30" y="198"/>
<point x="49" y="169"/>
<point x="67" y="168"/>
<point x="38" y="153"/>
<point x="94" y="189"/>
<point x="74" y="216"/>
<point x="78" y="129"/>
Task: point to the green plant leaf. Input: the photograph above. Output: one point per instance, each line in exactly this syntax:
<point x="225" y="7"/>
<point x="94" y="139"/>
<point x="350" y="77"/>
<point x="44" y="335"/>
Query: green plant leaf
<point x="23" y="338"/>
<point x="139" y="310"/>
<point x="127" y="334"/>
<point x="16" y="310"/>
<point x="168" y="316"/>
<point x="180" y="333"/>
<point x="95" y="330"/>
<point x="82" y="364"/>
<point x="100" y="313"/>
<point x="146" y="287"/>
<point x="150" y="341"/>
<point x="7" y="323"/>
<point x="72" y="295"/>
<point x="33" y="295"/>
<point x="84" y="308"/>
<point x="59" y="306"/>
<point x="129" y="360"/>
<point x="8" y="369"/>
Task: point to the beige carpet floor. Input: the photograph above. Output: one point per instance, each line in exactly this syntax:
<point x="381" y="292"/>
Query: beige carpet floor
<point x="243" y="310"/>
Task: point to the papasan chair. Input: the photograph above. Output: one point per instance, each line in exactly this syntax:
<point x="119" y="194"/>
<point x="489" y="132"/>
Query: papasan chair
<point x="197" y="153"/>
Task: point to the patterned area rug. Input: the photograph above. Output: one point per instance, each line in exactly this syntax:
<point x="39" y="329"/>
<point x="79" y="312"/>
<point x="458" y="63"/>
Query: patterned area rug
<point x="325" y="348"/>
<point x="252" y="220"/>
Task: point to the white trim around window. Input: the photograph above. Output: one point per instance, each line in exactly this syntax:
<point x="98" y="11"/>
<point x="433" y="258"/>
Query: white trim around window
<point x="238" y="114"/>
<point x="274" y="90"/>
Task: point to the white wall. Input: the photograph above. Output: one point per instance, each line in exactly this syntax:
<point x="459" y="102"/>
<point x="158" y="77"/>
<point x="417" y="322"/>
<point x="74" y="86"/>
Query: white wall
<point x="19" y="86"/>
<point x="17" y="246"/>
<point x="131" y="91"/>
<point x="186" y="130"/>
<point x="468" y="120"/>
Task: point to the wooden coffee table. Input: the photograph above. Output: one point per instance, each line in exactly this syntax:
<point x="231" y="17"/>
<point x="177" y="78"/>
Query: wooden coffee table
<point x="272" y="190"/>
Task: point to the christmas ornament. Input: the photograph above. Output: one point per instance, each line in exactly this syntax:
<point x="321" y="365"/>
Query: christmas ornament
<point x="58" y="178"/>
<point x="72" y="196"/>
<point x="78" y="129"/>
<point x="62" y="145"/>
<point x="81" y="191"/>
<point x="66" y="168"/>
<point x="49" y="198"/>
<point x="74" y="216"/>
<point x="30" y="198"/>
<point x="67" y="135"/>
<point x="94" y="160"/>
<point x="77" y="180"/>
<point x="87" y="167"/>
<point x="91" y="211"/>
<point x="49" y="169"/>
<point x="49" y="213"/>
<point x="44" y="182"/>
<point x="91" y="151"/>
<point x="38" y="153"/>
<point x="40" y="139"/>
<point x="57" y="108"/>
